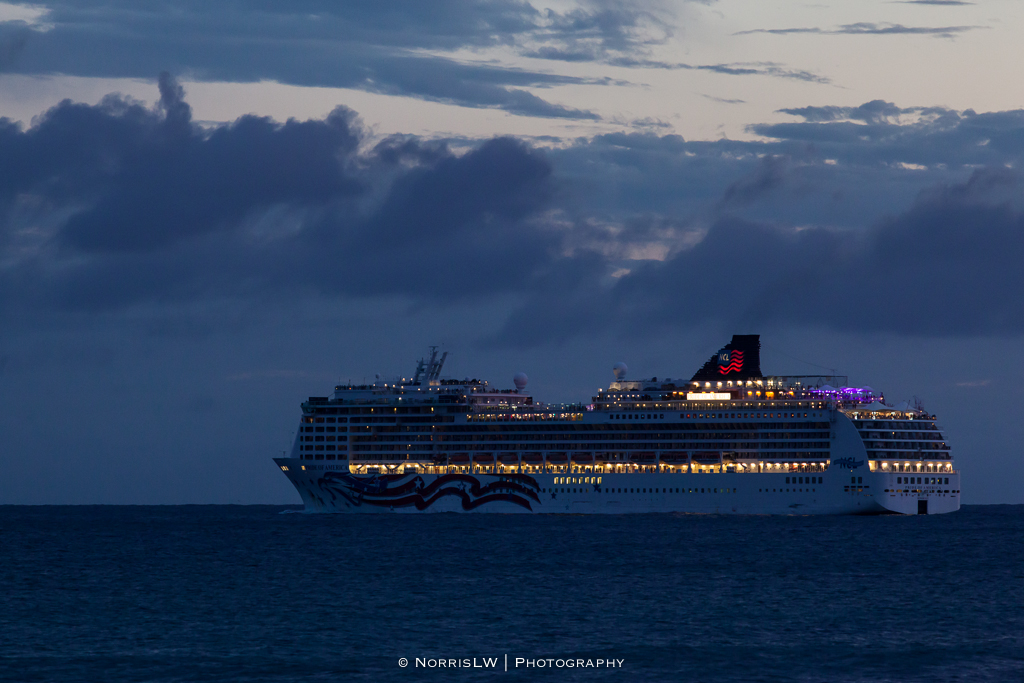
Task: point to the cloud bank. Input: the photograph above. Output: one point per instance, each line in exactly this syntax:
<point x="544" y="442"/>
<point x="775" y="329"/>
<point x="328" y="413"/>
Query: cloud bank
<point x="436" y="52"/>
<point x="870" y="28"/>
<point x="402" y="48"/>
<point x="870" y="218"/>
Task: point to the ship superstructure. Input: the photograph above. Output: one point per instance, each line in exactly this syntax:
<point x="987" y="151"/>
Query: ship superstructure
<point x="727" y="440"/>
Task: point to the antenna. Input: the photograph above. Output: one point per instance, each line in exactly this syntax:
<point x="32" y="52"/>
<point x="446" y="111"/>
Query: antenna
<point x="437" y="368"/>
<point x="429" y="370"/>
<point x="834" y="371"/>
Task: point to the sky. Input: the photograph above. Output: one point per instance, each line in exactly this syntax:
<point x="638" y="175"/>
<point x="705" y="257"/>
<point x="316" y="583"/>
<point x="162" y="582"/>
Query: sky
<point x="211" y="211"/>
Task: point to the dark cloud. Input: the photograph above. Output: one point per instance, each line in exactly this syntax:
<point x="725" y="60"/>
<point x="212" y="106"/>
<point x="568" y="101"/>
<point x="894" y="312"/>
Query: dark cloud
<point x="763" y="69"/>
<point x="881" y="133"/>
<point x="649" y="123"/>
<point x="116" y="207"/>
<point x="390" y="48"/>
<point x="868" y="28"/>
<point x="408" y="149"/>
<point x="942" y="268"/>
<point x="395" y="48"/>
<point x="723" y="100"/>
<point x="140" y="180"/>
<point x="154" y="208"/>
<point x="604" y="28"/>
<point x="461" y="228"/>
<point x="13" y="38"/>
<point x="769" y="176"/>
<point x="899" y="29"/>
<point x="471" y="85"/>
<point x="876" y="111"/>
<point x="934" y="2"/>
<point x="177" y="112"/>
<point x="734" y="69"/>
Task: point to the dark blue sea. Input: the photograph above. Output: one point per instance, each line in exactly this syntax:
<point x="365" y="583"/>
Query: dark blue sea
<point x="237" y="593"/>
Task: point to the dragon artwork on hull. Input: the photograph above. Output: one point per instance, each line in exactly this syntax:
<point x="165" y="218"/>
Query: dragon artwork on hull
<point x="410" y="490"/>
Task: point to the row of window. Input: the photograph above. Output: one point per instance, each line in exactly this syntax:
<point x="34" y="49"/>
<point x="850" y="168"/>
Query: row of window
<point x="601" y="427"/>
<point x="927" y="480"/>
<point x="895" y="424"/>
<point x="387" y="419"/>
<point x="369" y="411"/>
<point x="637" y="416"/>
<point x="731" y="437"/>
<point x="637" y="490"/>
<point x="913" y="436"/>
<point x="323" y="413"/>
<point x="740" y="416"/>
<point x="906" y="445"/>
<point x="533" y="427"/>
<point x="329" y="447"/>
<point x="578" y="480"/>
<point x="602" y="458"/>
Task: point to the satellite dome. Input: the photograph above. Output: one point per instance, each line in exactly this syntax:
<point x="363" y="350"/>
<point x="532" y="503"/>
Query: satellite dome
<point x="620" y="370"/>
<point x="520" y="379"/>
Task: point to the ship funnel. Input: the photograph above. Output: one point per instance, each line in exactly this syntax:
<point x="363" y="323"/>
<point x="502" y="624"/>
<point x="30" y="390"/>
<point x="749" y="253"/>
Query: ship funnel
<point x="620" y="371"/>
<point x="739" y="359"/>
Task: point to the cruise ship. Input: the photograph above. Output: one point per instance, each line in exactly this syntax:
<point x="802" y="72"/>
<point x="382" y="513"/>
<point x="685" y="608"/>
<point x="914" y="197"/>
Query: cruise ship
<point x="728" y="440"/>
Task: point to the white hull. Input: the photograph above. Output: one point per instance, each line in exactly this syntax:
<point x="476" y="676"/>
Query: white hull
<point x="329" y="487"/>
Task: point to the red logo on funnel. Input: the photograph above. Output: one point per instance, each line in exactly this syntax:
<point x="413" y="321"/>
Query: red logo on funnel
<point x="735" y="363"/>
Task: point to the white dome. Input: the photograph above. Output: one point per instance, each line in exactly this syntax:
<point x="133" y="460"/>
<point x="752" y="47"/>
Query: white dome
<point x="620" y="370"/>
<point x="520" y="379"/>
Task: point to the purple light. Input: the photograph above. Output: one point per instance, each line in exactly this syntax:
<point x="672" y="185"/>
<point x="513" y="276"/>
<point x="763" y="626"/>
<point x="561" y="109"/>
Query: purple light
<point x="847" y="393"/>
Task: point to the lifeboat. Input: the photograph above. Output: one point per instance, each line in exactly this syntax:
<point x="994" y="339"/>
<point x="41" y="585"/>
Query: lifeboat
<point x="674" y="457"/>
<point x="533" y="457"/>
<point x="707" y="457"/>
<point x="557" y="457"/>
<point x="509" y="458"/>
<point x="484" y="458"/>
<point x="583" y="457"/>
<point x="458" y="458"/>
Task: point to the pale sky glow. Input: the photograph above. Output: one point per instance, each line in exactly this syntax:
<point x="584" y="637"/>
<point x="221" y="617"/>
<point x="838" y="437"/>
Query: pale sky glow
<point x="967" y="69"/>
<point x="546" y="188"/>
<point x="30" y="14"/>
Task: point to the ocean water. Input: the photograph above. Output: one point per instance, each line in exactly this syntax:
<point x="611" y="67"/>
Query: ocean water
<point x="238" y="593"/>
